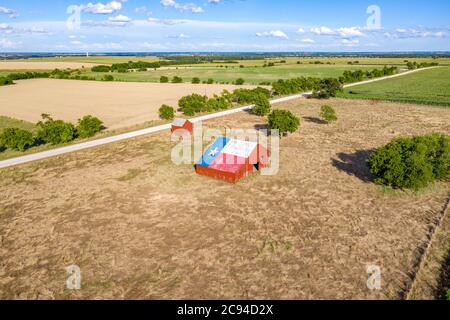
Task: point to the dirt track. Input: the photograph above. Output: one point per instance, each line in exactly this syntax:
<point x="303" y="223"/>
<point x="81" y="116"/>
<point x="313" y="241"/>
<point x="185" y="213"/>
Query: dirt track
<point x="141" y="227"/>
<point x="118" y="104"/>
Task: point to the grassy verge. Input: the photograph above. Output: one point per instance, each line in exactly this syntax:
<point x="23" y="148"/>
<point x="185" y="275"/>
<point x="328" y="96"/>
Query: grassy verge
<point x="430" y="87"/>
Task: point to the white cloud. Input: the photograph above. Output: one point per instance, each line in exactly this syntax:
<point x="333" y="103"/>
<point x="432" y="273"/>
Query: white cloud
<point x="103" y="8"/>
<point x="272" y="34"/>
<point x="141" y="10"/>
<point x="350" y="43"/>
<point x="179" y="36"/>
<point x="308" y="40"/>
<point x="343" y="32"/>
<point x="8" y="44"/>
<point x="301" y="30"/>
<point x="164" y="21"/>
<point x="191" y="7"/>
<point x="401" y="33"/>
<point x="215" y="1"/>
<point x="12" y="13"/>
<point x="322" y="31"/>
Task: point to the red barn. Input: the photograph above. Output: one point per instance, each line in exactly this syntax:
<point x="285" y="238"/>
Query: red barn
<point x="232" y="160"/>
<point x="182" y="124"/>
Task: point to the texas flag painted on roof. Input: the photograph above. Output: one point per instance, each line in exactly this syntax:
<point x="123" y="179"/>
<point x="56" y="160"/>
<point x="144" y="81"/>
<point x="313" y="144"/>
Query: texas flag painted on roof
<point x="228" y="155"/>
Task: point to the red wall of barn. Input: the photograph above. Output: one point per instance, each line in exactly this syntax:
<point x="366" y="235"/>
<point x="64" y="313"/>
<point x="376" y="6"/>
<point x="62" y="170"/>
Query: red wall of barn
<point x="226" y="176"/>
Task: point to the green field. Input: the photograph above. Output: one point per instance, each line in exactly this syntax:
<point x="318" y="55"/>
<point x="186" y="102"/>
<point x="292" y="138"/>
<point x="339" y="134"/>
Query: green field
<point x="424" y="87"/>
<point x="251" y="75"/>
<point x="252" y="71"/>
<point x="6" y="122"/>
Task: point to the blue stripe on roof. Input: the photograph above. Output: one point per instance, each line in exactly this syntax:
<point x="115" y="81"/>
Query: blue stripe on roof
<point x="213" y="152"/>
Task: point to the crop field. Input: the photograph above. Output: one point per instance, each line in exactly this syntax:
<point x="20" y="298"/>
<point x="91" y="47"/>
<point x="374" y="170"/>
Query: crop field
<point x="141" y="227"/>
<point x="26" y="65"/>
<point x="229" y="73"/>
<point x="425" y="87"/>
<point x="118" y="104"/>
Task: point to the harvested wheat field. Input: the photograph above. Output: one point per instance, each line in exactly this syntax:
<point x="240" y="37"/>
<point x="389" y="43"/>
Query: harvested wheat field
<point x="140" y="227"/>
<point x="32" y="65"/>
<point x="118" y="104"/>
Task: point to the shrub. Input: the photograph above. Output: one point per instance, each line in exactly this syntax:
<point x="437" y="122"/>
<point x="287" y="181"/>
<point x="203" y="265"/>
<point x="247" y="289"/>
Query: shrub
<point x="166" y="112"/>
<point x="164" y="79"/>
<point x="411" y="163"/>
<point x="177" y="79"/>
<point x="262" y="106"/>
<point x="107" y="77"/>
<point x="210" y="81"/>
<point x="327" y="113"/>
<point x="88" y="126"/>
<point x="239" y="82"/>
<point x="55" y="131"/>
<point x="101" y="68"/>
<point x="284" y="121"/>
<point x="327" y="88"/>
<point x="16" y="139"/>
<point x="5" y="81"/>
<point x="190" y="105"/>
<point x="195" y="80"/>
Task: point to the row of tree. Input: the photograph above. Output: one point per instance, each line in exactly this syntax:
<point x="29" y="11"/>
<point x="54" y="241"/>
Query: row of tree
<point x="50" y="131"/>
<point x="414" y="65"/>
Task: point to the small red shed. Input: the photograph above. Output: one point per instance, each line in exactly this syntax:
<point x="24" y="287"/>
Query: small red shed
<point x="182" y="124"/>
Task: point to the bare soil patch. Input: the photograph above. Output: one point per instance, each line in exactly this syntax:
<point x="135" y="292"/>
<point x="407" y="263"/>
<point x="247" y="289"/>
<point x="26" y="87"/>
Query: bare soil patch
<point x="118" y="104"/>
<point x="142" y="228"/>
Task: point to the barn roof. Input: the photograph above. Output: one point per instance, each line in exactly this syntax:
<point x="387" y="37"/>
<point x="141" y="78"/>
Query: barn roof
<point x="178" y="122"/>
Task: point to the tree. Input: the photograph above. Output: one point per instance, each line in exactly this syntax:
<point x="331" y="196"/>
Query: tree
<point x="327" y="88"/>
<point x="190" y="105"/>
<point x="89" y="126"/>
<point x="195" y="80"/>
<point x="239" y="82"/>
<point x="177" y="79"/>
<point x="262" y="106"/>
<point x="55" y="131"/>
<point x="164" y="79"/>
<point x="210" y="81"/>
<point x="328" y="114"/>
<point x="412" y="162"/>
<point x="166" y="112"/>
<point x="16" y="139"/>
<point x="284" y="121"/>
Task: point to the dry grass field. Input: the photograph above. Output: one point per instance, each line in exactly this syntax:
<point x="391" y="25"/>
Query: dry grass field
<point x="118" y="104"/>
<point x="142" y="228"/>
<point x="31" y="65"/>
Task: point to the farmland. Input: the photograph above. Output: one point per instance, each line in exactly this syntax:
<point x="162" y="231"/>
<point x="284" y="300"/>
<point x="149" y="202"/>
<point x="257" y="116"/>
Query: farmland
<point x="222" y="71"/>
<point x="430" y="87"/>
<point x="118" y="104"/>
<point x="141" y="227"/>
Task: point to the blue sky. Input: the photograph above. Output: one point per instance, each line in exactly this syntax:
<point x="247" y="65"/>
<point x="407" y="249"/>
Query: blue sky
<point x="223" y="25"/>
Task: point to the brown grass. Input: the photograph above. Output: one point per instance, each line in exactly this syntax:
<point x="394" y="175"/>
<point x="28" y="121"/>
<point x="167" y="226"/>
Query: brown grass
<point x="118" y="104"/>
<point x="142" y="228"/>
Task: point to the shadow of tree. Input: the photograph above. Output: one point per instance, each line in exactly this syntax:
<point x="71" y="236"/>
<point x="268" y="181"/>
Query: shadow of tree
<point x="315" y="120"/>
<point x="354" y="164"/>
<point x="2" y="148"/>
